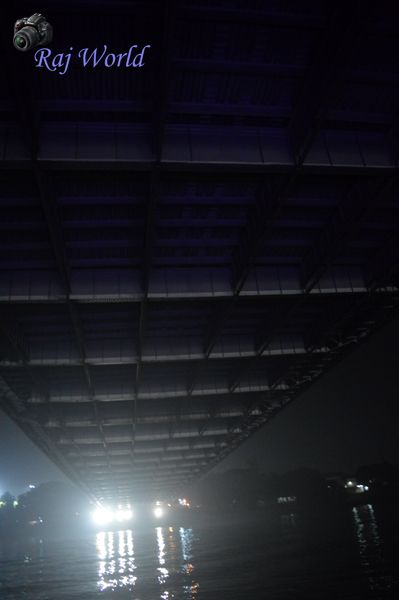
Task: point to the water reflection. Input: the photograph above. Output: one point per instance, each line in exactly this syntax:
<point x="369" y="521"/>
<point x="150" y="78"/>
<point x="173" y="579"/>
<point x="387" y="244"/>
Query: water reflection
<point x="174" y="562"/>
<point x="370" y="548"/>
<point x="186" y="541"/>
<point x="366" y="533"/>
<point x="116" y="566"/>
<point x="229" y="560"/>
<point x="171" y="565"/>
<point x="288" y="523"/>
<point x="163" y="572"/>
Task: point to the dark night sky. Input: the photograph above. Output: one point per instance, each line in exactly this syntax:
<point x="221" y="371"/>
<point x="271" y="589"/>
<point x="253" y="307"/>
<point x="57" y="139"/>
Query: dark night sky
<point x="349" y="417"/>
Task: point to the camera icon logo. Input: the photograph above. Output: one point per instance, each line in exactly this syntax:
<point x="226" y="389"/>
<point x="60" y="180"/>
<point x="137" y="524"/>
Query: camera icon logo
<point x="30" y="32"/>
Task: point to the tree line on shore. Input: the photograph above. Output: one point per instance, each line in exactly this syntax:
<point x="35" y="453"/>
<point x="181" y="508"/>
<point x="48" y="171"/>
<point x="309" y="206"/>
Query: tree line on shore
<point x="249" y="487"/>
<point x="234" y="489"/>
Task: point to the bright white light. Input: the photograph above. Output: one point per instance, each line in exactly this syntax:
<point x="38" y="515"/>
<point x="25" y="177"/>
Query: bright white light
<point x="123" y="514"/>
<point x="31" y="486"/>
<point x="158" y="512"/>
<point x="102" y="516"/>
<point x="366" y="488"/>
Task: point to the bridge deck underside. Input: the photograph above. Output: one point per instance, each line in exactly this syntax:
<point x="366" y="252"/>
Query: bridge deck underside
<point x="185" y="249"/>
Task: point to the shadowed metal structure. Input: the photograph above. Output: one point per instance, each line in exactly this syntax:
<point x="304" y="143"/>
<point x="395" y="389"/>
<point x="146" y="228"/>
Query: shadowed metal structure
<point x="185" y="247"/>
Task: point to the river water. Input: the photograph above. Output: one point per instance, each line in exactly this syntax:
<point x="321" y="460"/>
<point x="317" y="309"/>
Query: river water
<point x="345" y="555"/>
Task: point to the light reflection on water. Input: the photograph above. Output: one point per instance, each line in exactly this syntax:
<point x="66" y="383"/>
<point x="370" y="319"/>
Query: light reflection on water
<point x="370" y="548"/>
<point x="186" y="540"/>
<point x="163" y="572"/>
<point x="288" y="523"/>
<point x="289" y="557"/>
<point x="367" y="532"/>
<point x="116" y="570"/>
<point x="117" y="567"/>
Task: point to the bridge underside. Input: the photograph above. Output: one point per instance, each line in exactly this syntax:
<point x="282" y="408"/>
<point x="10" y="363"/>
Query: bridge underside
<point x="186" y="248"/>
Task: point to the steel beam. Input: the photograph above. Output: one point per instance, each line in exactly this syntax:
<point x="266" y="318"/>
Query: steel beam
<point x="327" y="71"/>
